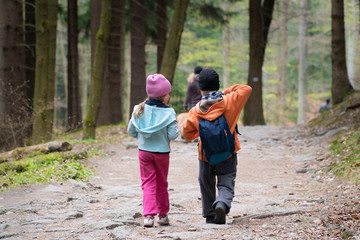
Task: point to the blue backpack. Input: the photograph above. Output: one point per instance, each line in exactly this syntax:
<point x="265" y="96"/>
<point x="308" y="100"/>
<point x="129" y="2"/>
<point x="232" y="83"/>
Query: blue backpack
<point x="218" y="142"/>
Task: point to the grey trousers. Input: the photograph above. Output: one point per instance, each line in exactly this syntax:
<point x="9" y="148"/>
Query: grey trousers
<point x="225" y="172"/>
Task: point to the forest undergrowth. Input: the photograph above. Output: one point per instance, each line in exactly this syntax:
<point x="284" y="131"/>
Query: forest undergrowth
<point x="344" y="120"/>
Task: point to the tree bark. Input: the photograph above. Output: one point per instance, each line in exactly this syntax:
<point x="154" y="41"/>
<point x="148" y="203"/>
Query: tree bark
<point x="302" y="74"/>
<point x="172" y="47"/>
<point x="98" y="70"/>
<point x="19" y="153"/>
<point x="42" y="107"/>
<point x="111" y="99"/>
<point x="352" y="41"/>
<point x="138" y="71"/>
<point x="340" y="86"/>
<point x="226" y="35"/>
<point x="53" y="11"/>
<point x="30" y="55"/>
<point x="260" y="20"/>
<point x="14" y="107"/>
<point x="95" y="12"/>
<point x="74" y="120"/>
<point x="161" y="26"/>
<point x="283" y="61"/>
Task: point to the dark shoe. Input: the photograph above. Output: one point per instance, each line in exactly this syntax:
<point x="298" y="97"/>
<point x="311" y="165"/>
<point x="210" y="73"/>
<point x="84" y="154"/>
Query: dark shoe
<point x="210" y="219"/>
<point x="220" y="210"/>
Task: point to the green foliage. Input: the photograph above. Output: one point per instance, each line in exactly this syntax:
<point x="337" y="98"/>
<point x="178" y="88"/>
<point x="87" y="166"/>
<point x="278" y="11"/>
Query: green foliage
<point x="46" y="168"/>
<point x="346" y="149"/>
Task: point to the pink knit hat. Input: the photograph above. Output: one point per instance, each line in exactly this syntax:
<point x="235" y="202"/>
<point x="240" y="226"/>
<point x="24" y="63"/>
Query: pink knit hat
<point x="157" y="85"/>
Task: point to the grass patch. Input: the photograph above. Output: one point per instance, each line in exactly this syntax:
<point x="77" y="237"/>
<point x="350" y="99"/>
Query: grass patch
<point x="346" y="151"/>
<point x="47" y="168"/>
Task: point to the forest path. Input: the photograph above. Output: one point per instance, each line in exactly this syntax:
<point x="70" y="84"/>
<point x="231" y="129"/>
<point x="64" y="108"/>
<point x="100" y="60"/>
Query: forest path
<point x="279" y="194"/>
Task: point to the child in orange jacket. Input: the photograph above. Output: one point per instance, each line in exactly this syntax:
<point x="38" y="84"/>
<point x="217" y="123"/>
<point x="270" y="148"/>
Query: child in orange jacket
<point x="214" y="103"/>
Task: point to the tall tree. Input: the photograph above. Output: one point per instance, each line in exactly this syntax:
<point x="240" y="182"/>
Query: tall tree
<point x="172" y="47"/>
<point x="352" y="40"/>
<point x="111" y="108"/>
<point x="95" y="12"/>
<point x="161" y="26"/>
<point x="340" y="85"/>
<point x="12" y="81"/>
<point x="43" y="115"/>
<point x="74" y="101"/>
<point x="302" y="76"/>
<point x="98" y="69"/>
<point x="226" y="38"/>
<point x="30" y="52"/>
<point x="260" y="20"/>
<point x="137" y="54"/>
<point x="284" y="5"/>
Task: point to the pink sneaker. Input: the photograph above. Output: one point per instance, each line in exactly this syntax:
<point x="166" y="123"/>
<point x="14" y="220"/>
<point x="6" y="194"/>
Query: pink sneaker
<point x="163" y="219"/>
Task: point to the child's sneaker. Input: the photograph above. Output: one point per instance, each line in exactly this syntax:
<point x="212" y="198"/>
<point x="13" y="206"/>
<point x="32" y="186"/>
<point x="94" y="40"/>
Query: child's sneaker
<point x="149" y="221"/>
<point x="163" y="219"/>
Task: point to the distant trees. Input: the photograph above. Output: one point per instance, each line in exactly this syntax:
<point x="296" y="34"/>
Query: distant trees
<point x="340" y="80"/>
<point x="27" y="73"/>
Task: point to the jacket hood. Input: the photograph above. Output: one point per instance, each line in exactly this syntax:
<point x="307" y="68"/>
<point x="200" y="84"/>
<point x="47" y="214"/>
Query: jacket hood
<point x="217" y="107"/>
<point x="153" y="119"/>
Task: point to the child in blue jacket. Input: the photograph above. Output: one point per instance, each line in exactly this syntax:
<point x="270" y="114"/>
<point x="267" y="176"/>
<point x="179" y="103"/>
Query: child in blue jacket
<point x="154" y="124"/>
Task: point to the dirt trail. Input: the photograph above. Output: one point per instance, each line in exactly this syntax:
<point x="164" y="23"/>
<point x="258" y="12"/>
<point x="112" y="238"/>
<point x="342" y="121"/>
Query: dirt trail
<point x="280" y="194"/>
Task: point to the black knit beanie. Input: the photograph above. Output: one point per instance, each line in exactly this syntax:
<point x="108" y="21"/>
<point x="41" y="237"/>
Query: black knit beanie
<point x="209" y="80"/>
<point x="197" y="69"/>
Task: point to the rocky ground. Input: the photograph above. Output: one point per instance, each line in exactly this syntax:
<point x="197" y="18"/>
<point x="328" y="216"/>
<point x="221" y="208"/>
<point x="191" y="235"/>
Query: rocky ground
<point x="282" y="192"/>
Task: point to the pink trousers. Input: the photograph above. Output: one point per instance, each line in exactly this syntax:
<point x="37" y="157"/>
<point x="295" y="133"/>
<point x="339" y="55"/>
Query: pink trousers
<point x="154" y="170"/>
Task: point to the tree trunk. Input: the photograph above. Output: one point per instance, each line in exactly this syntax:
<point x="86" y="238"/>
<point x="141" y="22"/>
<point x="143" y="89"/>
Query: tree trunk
<point x="30" y="55"/>
<point x="44" y="148"/>
<point x="122" y="74"/>
<point x="95" y="12"/>
<point x="14" y="107"/>
<point x="138" y="41"/>
<point x="283" y="61"/>
<point x="161" y="26"/>
<point x="111" y="99"/>
<point x="353" y="32"/>
<point x="98" y="70"/>
<point x="340" y="86"/>
<point x="53" y="11"/>
<point x="260" y="20"/>
<point x="172" y="47"/>
<point x="46" y="15"/>
<point x="302" y="74"/>
<point x="74" y="102"/>
<point x="226" y="50"/>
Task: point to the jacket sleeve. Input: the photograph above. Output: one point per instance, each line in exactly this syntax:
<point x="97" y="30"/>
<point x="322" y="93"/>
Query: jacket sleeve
<point x="132" y="130"/>
<point x="172" y="130"/>
<point x="191" y="126"/>
<point x="239" y="94"/>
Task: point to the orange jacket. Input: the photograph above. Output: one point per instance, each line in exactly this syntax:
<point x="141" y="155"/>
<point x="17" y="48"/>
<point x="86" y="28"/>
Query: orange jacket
<point x="234" y="99"/>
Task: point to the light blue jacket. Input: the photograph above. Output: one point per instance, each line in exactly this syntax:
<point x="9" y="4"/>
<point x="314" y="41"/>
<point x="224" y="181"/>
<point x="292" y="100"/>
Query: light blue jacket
<point x="154" y="129"/>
